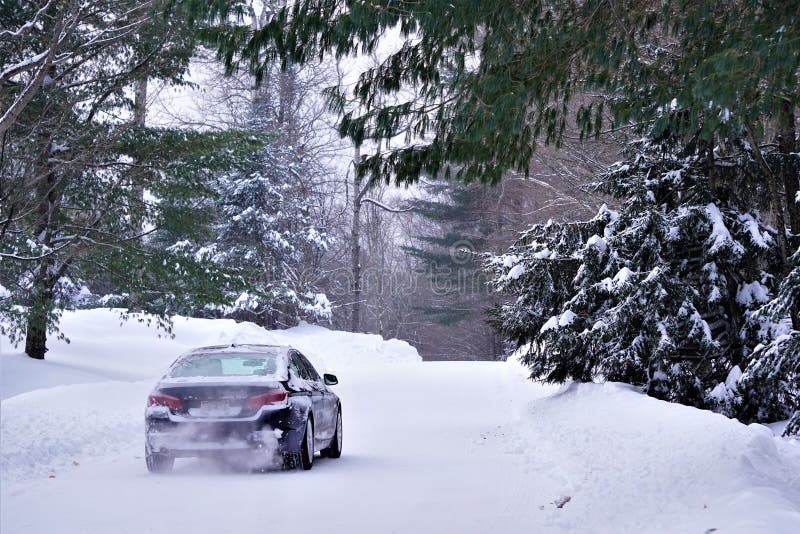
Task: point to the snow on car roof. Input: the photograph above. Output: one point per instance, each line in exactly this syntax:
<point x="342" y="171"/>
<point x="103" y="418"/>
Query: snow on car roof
<point x="239" y="347"/>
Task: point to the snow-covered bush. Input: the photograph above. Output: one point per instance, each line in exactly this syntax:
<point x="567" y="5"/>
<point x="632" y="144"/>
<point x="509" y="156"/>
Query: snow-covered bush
<point x="664" y="292"/>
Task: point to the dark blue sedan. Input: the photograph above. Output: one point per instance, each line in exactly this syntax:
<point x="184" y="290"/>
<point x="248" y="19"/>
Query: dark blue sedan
<point x="257" y="406"/>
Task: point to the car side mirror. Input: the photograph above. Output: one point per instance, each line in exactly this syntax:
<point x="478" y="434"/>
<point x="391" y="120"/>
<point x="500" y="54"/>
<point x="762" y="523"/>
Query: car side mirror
<point x="330" y="380"/>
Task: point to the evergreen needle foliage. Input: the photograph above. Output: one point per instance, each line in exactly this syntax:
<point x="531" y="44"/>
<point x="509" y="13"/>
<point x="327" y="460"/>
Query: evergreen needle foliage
<point x="491" y="80"/>
<point x="449" y="257"/>
<point x="676" y="291"/>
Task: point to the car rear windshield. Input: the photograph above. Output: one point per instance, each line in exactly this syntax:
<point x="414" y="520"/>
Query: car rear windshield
<point x="226" y="364"/>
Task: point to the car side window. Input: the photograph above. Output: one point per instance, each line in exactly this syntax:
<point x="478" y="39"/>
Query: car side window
<point x="310" y="371"/>
<point x="296" y="367"/>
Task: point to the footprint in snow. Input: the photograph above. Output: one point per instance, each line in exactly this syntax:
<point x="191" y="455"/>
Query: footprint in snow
<point x="561" y="501"/>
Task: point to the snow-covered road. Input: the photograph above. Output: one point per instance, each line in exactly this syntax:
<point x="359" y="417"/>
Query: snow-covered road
<point x="412" y="462"/>
<point x="456" y="447"/>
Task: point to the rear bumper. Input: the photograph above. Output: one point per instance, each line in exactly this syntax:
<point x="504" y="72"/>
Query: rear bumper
<point x="186" y="440"/>
<point x="276" y="432"/>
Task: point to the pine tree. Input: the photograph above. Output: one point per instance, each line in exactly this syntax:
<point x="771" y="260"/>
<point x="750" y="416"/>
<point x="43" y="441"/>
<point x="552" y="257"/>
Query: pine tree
<point x="263" y="226"/>
<point x="111" y="251"/>
<point x="264" y="232"/>
<point x="770" y="386"/>
<point x="493" y="79"/>
<point x="448" y="257"/>
<point x="664" y="292"/>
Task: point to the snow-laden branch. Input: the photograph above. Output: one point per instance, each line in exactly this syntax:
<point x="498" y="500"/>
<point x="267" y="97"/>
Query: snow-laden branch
<point x="24" y="98"/>
<point x="384" y="207"/>
<point x="22" y="66"/>
<point x="114" y="31"/>
<point x="28" y="25"/>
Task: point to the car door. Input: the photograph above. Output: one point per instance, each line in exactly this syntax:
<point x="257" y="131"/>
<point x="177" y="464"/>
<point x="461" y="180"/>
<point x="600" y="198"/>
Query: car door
<point x="298" y="383"/>
<point x="323" y="415"/>
<point x="307" y="373"/>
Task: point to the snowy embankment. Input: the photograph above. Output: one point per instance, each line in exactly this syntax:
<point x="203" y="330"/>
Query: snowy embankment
<point x="434" y="447"/>
<point x="637" y="464"/>
<point x="103" y="347"/>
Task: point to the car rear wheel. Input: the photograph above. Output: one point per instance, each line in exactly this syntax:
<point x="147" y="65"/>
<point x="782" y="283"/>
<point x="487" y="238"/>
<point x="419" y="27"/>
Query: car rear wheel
<point x="158" y="463"/>
<point x="334" y="450"/>
<point x="307" y="449"/>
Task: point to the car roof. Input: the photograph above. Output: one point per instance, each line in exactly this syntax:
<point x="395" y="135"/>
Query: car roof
<point x="240" y="347"/>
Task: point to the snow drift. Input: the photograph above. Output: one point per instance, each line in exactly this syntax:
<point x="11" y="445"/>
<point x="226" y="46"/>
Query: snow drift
<point x="104" y="347"/>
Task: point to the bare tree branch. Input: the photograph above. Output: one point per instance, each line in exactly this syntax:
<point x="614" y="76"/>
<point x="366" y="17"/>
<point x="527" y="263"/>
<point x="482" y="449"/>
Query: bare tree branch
<point x="384" y="207"/>
<point x="25" y="97"/>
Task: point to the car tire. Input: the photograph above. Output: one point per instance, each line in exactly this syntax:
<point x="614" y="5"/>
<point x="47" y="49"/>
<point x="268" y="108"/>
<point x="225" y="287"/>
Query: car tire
<point x="334" y="450"/>
<point x="300" y="457"/>
<point x="158" y="463"/>
<point x="307" y="448"/>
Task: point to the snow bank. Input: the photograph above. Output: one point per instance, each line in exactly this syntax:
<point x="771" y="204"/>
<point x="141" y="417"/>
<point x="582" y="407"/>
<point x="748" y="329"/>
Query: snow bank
<point x="332" y="349"/>
<point x="103" y="347"/>
<point x="632" y="463"/>
<point x="329" y="350"/>
<point x="49" y="431"/>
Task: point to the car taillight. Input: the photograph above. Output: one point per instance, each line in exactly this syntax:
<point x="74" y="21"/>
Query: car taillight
<point x="161" y="399"/>
<point x="275" y="396"/>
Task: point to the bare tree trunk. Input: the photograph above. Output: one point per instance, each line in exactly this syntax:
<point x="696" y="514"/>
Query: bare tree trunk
<point x="355" y="247"/>
<point x="38" y="320"/>
<point x="790" y="175"/>
<point x="140" y="100"/>
<point x="36" y="84"/>
<point x="139" y="115"/>
<point x="381" y="273"/>
<point x="375" y="261"/>
<point x="259" y="94"/>
<point x="787" y="144"/>
<point x="284" y="95"/>
<point x="137" y="207"/>
<point x="290" y="97"/>
<point x="41" y="299"/>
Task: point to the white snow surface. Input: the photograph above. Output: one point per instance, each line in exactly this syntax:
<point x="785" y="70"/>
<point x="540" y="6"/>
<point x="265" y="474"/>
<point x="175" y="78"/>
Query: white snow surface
<point x="623" y="276"/>
<point x="753" y="293"/>
<point x="761" y="240"/>
<point x="720" y="235"/>
<point x="598" y="242"/>
<point x="515" y="272"/>
<point x="567" y="318"/>
<point x="440" y="447"/>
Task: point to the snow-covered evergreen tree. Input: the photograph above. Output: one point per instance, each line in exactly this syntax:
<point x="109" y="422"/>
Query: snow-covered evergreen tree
<point x="770" y="386"/>
<point x="665" y="292"/>
<point x="264" y="232"/>
<point x="449" y="256"/>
